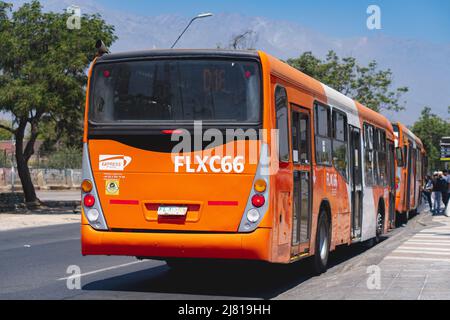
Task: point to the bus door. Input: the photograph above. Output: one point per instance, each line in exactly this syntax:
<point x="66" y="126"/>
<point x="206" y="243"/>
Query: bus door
<point x="301" y="157"/>
<point x="356" y="181"/>
<point x="391" y="181"/>
<point x="413" y="178"/>
<point x="408" y="176"/>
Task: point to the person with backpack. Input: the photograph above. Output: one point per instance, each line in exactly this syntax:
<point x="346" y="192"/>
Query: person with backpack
<point x="439" y="187"/>
<point x="427" y="189"/>
<point x="446" y="193"/>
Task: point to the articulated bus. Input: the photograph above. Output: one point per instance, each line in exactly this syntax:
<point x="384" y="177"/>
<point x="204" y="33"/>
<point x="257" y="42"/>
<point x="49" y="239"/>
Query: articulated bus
<point x="411" y="160"/>
<point x="166" y="176"/>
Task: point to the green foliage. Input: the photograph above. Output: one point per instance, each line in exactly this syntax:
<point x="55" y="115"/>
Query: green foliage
<point x="44" y="63"/>
<point x="366" y="84"/>
<point x="43" y="73"/>
<point x="6" y="160"/>
<point x="430" y="128"/>
<point x="4" y="134"/>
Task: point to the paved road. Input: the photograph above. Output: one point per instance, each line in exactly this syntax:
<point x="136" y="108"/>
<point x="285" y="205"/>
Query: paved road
<point x="33" y="262"/>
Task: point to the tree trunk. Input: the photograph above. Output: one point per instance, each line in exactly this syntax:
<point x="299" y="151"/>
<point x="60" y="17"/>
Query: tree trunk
<point x="22" y="166"/>
<point x="25" y="178"/>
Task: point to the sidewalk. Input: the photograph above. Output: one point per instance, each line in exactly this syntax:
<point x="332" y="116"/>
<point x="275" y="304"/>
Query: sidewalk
<point x="412" y="265"/>
<point x="60" y="195"/>
<point x="36" y="219"/>
<point x="420" y="267"/>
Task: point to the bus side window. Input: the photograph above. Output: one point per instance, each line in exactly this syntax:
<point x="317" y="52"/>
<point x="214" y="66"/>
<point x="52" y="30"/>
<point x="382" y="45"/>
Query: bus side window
<point x="304" y="139"/>
<point x="369" y="154"/>
<point x="340" y="142"/>
<point x="282" y="123"/>
<point x="399" y="156"/>
<point x="300" y="138"/>
<point x="406" y="156"/>
<point x="381" y="158"/>
<point x="323" y="136"/>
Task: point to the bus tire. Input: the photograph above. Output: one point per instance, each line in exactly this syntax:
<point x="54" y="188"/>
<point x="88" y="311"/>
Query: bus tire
<point x="323" y="241"/>
<point x="379" y="223"/>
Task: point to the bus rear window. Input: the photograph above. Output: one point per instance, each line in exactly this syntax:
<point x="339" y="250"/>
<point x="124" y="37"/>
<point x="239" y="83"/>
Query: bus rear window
<point x="167" y="91"/>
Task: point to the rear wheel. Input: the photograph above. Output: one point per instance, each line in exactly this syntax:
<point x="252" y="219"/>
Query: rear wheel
<point x="380" y="225"/>
<point x="323" y="240"/>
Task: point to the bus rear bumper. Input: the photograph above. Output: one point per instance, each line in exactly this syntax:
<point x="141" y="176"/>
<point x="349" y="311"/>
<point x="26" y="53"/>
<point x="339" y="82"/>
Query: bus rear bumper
<point x="252" y="246"/>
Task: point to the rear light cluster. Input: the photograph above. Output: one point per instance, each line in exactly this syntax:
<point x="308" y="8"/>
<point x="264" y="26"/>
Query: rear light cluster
<point x="89" y="201"/>
<point x="258" y="200"/>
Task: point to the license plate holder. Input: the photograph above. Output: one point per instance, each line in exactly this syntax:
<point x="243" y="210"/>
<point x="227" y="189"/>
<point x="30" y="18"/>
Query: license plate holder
<point x="172" y="211"/>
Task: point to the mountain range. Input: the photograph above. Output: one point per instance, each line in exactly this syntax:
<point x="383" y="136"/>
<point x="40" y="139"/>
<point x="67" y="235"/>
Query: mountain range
<point x="423" y="67"/>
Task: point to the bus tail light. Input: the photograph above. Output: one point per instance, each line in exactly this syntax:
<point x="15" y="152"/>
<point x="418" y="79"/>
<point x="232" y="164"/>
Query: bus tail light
<point x="258" y="200"/>
<point x="260" y="185"/>
<point x="397" y="182"/>
<point x="89" y="200"/>
<point x="86" y="186"/>
<point x="253" y="215"/>
<point x="93" y="215"/>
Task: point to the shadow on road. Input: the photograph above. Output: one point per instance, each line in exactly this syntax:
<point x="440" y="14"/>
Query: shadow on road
<point x="227" y="279"/>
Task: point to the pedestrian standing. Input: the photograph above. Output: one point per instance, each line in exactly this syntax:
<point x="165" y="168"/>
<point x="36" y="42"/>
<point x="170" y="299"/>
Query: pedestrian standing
<point x="436" y="194"/>
<point x="427" y="189"/>
<point x="447" y="191"/>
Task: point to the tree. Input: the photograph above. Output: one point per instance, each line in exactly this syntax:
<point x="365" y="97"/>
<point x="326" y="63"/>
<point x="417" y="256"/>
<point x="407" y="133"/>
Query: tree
<point x="430" y="128"/>
<point x="4" y="134"/>
<point x="366" y="84"/>
<point x="43" y="73"/>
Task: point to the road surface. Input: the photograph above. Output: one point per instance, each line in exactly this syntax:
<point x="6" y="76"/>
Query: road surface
<point x="33" y="265"/>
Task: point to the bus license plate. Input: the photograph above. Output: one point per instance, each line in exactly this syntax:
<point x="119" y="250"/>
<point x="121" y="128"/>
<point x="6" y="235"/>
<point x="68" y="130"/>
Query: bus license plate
<point x="172" y="211"/>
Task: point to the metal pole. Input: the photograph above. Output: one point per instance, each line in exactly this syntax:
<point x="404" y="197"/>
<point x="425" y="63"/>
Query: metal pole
<point x="13" y="143"/>
<point x="200" y="16"/>
<point x="179" y="37"/>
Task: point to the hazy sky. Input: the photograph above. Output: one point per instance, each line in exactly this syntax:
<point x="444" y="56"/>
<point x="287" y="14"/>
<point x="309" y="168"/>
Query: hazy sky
<point x="416" y="19"/>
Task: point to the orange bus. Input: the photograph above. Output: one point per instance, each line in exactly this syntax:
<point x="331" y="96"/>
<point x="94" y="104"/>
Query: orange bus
<point x="410" y="154"/>
<point x="319" y="179"/>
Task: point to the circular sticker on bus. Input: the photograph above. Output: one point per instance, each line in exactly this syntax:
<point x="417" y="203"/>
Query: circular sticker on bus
<point x="112" y="187"/>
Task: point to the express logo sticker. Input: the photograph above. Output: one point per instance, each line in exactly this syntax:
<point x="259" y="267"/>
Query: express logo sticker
<point x="113" y="162"/>
<point x="112" y="187"/>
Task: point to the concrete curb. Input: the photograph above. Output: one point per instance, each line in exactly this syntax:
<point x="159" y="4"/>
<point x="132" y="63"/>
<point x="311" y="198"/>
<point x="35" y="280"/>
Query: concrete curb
<point x="61" y="204"/>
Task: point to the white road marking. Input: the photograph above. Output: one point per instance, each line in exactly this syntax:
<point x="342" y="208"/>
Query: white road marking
<point x="421" y="252"/>
<point x="426" y="249"/>
<point x="100" y="270"/>
<point x="427" y="243"/>
<point x="434" y="237"/>
<point x="423" y="287"/>
<point x="416" y="258"/>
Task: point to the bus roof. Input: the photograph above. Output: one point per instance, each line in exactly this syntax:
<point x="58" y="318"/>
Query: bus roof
<point x="178" y="53"/>
<point x="329" y="95"/>
<point x="409" y="133"/>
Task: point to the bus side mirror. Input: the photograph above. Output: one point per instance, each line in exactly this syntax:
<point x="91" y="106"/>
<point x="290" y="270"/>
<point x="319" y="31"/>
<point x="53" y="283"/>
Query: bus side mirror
<point x="399" y="156"/>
